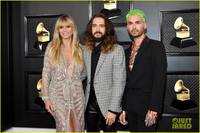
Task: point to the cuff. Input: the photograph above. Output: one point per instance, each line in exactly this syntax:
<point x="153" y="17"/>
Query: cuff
<point x="44" y="97"/>
<point x="113" y="112"/>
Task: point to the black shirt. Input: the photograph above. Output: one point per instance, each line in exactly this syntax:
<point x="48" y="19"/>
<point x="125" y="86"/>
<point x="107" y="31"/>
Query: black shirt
<point x="93" y="106"/>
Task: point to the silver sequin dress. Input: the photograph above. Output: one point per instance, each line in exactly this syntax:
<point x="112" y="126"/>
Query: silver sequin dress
<point x="62" y="84"/>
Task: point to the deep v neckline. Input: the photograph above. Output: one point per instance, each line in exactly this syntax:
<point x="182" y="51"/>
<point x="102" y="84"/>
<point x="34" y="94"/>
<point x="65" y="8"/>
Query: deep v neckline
<point x="69" y="66"/>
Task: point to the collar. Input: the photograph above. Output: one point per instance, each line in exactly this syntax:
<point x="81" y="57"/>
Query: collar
<point x="144" y="41"/>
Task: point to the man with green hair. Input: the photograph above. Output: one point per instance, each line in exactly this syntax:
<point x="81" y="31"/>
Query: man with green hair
<point x="146" y="72"/>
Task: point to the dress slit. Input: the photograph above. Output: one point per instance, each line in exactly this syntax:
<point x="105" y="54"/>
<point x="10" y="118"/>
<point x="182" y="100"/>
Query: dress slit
<point x="72" y="121"/>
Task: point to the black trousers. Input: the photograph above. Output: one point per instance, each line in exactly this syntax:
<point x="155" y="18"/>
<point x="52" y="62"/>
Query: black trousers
<point x="96" y="122"/>
<point x="136" y="123"/>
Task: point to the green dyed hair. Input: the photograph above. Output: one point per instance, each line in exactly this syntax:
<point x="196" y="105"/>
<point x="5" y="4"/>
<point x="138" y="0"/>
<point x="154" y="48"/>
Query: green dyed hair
<point x="136" y="12"/>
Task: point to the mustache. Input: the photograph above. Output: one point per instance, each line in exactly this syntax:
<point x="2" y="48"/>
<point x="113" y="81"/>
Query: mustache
<point x="134" y="30"/>
<point x="98" y="32"/>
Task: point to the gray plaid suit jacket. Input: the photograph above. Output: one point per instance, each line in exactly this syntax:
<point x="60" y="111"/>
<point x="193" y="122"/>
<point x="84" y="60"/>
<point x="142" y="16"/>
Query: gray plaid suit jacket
<point x="109" y="79"/>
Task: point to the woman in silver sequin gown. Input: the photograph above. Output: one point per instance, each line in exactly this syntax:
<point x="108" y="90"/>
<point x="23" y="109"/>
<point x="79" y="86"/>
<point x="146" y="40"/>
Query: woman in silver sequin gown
<point x="62" y="90"/>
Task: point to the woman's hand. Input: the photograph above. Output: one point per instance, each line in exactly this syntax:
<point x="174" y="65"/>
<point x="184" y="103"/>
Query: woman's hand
<point x="49" y="106"/>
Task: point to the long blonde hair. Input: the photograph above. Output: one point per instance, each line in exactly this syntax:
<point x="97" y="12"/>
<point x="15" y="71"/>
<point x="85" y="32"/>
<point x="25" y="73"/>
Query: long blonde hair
<point x="55" y="44"/>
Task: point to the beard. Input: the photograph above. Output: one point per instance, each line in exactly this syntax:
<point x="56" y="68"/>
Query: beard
<point x="98" y="39"/>
<point x="131" y="37"/>
<point x="139" y="33"/>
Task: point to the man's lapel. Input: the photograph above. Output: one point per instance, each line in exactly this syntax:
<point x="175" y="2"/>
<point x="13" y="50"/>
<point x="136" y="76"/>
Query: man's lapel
<point x="141" y="51"/>
<point x="100" y="62"/>
<point x="89" y="63"/>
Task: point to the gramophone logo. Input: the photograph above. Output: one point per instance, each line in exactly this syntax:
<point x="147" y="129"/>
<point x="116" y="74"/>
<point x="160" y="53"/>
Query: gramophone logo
<point x="39" y="87"/>
<point x="183" y="98"/>
<point x="110" y="4"/>
<point x="38" y="99"/>
<point x="110" y="9"/>
<point x="43" y="37"/>
<point x="182" y="30"/>
<point x="183" y="38"/>
<point x="182" y="93"/>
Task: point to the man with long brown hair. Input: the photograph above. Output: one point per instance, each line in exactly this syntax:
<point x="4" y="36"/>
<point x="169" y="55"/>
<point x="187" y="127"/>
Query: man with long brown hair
<point x="106" y="74"/>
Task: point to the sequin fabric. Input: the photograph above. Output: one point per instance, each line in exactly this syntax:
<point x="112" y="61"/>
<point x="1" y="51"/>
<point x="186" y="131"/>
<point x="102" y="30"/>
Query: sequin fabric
<point x="64" y="88"/>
